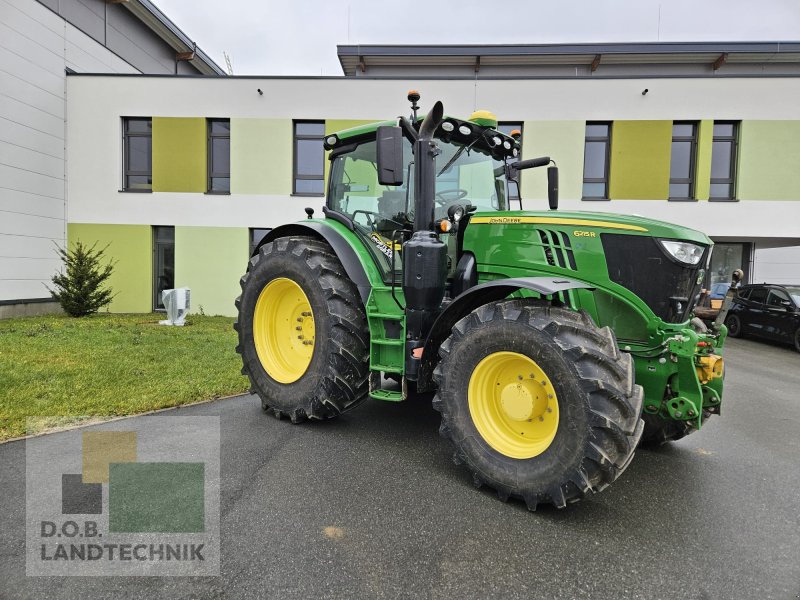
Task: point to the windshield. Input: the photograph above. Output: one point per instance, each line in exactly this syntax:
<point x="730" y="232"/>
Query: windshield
<point x="794" y="292"/>
<point x="469" y="175"/>
<point x="465" y="175"/>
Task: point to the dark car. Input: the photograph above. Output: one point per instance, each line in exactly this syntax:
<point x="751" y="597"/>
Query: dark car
<point x="768" y="311"/>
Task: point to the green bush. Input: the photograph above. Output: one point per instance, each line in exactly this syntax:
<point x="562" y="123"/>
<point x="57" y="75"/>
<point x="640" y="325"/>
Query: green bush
<point x="82" y="289"/>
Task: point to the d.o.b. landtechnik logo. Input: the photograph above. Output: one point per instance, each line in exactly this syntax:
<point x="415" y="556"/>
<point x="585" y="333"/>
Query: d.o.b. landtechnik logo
<point x="119" y="499"/>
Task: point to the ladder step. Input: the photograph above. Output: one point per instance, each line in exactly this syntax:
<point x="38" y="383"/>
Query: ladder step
<point x="386" y="395"/>
<point x="386" y="316"/>
<point x="385" y="368"/>
<point x="387" y="342"/>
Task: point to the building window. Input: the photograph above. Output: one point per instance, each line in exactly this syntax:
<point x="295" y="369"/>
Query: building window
<point x="309" y="158"/>
<point x="723" y="161"/>
<point x="219" y="156"/>
<point x="137" y="154"/>
<point x="163" y="263"/>
<point x="682" y="161"/>
<point x="256" y="235"/>
<point x="596" y="154"/>
<point x="513" y="189"/>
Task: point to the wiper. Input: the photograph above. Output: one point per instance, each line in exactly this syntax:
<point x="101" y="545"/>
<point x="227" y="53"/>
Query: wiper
<point x="456" y="155"/>
<point x="453" y="159"/>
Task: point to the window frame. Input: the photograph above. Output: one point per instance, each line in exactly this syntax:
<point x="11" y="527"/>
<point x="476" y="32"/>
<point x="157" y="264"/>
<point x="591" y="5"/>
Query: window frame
<point x="295" y="175"/>
<point x="520" y="125"/>
<point x="692" y="179"/>
<point x="606" y="166"/>
<point x="156" y="243"/>
<point x="126" y="172"/>
<point x="251" y="234"/>
<point x="210" y="174"/>
<point x="732" y="167"/>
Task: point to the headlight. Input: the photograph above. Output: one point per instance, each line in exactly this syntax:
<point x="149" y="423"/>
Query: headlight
<point x="684" y="252"/>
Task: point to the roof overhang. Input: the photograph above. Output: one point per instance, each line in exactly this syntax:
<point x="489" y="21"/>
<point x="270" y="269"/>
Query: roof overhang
<point x="594" y="56"/>
<point x="185" y="49"/>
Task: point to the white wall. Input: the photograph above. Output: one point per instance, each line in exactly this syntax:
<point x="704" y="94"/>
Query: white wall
<point x="776" y="265"/>
<point x="36" y="46"/>
<point x="97" y="103"/>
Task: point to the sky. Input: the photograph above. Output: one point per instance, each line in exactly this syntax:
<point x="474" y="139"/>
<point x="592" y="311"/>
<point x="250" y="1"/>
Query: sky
<point x="267" y="37"/>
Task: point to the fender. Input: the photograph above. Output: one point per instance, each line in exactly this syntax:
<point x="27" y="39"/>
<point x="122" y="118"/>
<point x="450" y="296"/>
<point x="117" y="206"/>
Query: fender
<point x="477" y="296"/>
<point x="343" y="250"/>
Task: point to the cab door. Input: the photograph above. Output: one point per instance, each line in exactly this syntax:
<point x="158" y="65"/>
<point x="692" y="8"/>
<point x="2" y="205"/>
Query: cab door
<point x="754" y="317"/>
<point x="778" y="320"/>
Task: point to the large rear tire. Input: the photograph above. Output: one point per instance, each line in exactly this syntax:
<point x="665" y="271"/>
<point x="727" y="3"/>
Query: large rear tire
<point x="302" y="329"/>
<point x="538" y="401"/>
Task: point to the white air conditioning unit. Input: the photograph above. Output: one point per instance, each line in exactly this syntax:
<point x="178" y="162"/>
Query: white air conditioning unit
<point x="177" y="302"/>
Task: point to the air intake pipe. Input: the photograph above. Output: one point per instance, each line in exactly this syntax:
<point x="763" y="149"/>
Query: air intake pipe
<point x="424" y="255"/>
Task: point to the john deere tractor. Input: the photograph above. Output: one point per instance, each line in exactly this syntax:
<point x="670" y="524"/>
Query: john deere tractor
<point x="554" y="341"/>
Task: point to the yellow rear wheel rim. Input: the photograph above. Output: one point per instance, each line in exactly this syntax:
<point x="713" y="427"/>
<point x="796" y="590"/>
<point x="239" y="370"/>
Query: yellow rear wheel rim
<point x="283" y="330"/>
<point x="513" y="404"/>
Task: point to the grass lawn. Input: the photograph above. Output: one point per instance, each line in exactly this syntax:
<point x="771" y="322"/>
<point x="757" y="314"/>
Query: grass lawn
<point x="111" y="365"/>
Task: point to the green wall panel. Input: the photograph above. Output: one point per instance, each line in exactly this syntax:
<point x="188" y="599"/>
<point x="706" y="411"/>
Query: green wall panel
<point x="640" y="155"/>
<point x="210" y="261"/>
<point x="702" y="178"/>
<point x="179" y="154"/>
<point x="769" y="160"/>
<point x="261" y="156"/>
<point x="563" y="142"/>
<point x="131" y="246"/>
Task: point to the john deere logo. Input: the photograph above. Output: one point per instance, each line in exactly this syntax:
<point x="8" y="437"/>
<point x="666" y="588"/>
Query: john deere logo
<point x="141" y="501"/>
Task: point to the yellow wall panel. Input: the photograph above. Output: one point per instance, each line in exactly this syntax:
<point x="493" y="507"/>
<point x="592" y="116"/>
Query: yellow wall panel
<point x="640" y="157"/>
<point x="179" y="154"/>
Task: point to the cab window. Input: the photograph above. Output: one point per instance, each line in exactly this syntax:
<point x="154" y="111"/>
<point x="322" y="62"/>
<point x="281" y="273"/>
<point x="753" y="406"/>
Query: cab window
<point x="758" y="295"/>
<point x="777" y="298"/>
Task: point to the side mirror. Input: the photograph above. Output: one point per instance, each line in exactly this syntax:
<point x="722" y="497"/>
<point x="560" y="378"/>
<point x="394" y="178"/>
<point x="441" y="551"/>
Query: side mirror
<point x="552" y="187"/>
<point x="390" y="155"/>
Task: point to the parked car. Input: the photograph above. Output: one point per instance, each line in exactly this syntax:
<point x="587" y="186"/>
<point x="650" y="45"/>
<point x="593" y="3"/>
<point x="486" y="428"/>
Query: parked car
<point x="768" y="311"/>
<point x="718" y="291"/>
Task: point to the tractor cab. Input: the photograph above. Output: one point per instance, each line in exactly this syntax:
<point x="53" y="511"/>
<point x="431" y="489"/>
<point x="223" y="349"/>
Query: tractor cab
<point x="472" y="173"/>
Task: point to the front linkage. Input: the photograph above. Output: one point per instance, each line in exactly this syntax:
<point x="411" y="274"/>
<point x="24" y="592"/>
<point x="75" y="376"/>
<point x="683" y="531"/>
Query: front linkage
<point x="689" y="368"/>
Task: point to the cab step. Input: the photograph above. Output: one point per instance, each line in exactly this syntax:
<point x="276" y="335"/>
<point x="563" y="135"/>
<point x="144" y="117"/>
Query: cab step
<point x="386" y="395"/>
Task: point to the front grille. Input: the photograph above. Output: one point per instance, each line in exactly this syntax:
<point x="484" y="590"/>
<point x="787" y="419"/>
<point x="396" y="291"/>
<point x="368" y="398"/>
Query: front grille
<point x="640" y="264"/>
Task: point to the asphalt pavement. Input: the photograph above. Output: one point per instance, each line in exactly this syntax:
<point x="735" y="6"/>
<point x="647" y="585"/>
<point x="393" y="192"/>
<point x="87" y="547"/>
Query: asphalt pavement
<point x="371" y="506"/>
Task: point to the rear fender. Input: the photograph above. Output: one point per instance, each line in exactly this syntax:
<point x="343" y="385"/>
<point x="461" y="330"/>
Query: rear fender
<point x="341" y="247"/>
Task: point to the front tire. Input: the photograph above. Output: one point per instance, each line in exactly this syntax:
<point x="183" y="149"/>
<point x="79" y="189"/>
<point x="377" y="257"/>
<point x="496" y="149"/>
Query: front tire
<point x="302" y="329"/>
<point x="734" y="324"/>
<point x="538" y="401"/>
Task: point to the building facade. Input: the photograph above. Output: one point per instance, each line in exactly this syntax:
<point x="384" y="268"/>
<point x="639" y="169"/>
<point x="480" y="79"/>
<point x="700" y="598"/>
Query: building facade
<point x="40" y="42"/>
<point x="720" y="154"/>
<point x="181" y="176"/>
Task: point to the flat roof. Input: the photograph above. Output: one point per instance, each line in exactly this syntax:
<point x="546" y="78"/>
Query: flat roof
<point x="594" y="55"/>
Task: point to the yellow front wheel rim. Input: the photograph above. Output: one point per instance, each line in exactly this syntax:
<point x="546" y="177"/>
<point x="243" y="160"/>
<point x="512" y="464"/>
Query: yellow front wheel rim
<point x="283" y="330"/>
<point x="513" y="404"/>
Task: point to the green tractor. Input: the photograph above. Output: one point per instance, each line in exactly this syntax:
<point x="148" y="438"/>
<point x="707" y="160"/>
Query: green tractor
<point x="554" y="341"/>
